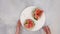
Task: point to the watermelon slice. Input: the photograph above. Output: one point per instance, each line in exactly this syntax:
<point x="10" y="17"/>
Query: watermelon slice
<point x="29" y="24"/>
<point x="37" y="13"/>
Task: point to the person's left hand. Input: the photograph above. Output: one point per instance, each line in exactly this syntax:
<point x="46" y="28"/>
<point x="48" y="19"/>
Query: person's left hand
<point x="18" y="27"/>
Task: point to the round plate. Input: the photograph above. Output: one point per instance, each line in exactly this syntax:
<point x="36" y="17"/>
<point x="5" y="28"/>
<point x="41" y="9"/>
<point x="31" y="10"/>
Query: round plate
<point x="27" y="14"/>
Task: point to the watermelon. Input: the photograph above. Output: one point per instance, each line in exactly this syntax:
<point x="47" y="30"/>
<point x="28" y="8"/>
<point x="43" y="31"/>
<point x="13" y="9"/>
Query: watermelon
<point x="37" y="13"/>
<point x="29" y="24"/>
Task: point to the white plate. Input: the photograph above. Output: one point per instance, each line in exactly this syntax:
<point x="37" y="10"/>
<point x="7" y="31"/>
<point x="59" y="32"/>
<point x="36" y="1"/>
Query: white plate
<point x="27" y="14"/>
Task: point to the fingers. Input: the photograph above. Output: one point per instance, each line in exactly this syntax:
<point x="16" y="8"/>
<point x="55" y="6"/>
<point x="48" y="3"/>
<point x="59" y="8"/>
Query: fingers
<point x="18" y="27"/>
<point x="47" y="29"/>
<point x="19" y="23"/>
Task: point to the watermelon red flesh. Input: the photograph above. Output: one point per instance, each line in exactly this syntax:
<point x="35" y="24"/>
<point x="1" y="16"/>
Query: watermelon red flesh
<point x="37" y="13"/>
<point x="29" y="24"/>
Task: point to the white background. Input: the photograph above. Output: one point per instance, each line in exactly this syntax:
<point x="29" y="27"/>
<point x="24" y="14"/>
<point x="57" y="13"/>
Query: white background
<point x="10" y="11"/>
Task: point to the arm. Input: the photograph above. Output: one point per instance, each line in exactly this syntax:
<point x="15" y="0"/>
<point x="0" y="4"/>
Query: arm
<point x="18" y="27"/>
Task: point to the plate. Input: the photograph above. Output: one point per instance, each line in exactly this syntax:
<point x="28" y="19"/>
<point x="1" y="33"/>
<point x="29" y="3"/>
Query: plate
<point x="27" y="14"/>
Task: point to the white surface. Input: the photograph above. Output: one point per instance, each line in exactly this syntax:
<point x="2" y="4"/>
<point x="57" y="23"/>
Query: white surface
<point x="27" y="14"/>
<point x="10" y="10"/>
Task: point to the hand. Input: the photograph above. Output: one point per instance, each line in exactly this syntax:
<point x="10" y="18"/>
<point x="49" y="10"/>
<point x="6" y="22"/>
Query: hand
<point x="47" y="29"/>
<point x="18" y="27"/>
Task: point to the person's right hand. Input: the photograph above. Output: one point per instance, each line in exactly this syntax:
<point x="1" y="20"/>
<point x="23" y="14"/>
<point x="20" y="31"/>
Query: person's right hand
<point x="47" y="29"/>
